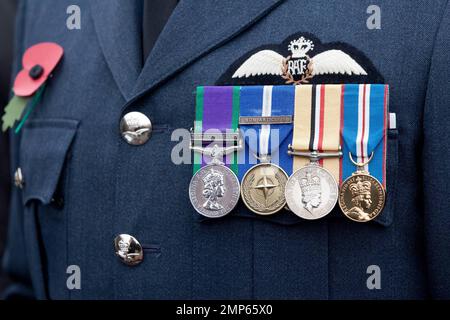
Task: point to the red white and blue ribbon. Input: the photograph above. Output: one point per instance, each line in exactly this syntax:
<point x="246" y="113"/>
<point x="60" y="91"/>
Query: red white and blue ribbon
<point x="364" y="128"/>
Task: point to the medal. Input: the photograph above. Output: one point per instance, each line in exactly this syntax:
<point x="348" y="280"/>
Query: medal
<point x="362" y="197"/>
<point x="265" y="111"/>
<point x="362" y="194"/>
<point x="312" y="190"/>
<point x="214" y="188"/>
<point x="263" y="189"/>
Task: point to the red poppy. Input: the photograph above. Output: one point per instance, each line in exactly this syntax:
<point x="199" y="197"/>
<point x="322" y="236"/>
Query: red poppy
<point x="38" y="63"/>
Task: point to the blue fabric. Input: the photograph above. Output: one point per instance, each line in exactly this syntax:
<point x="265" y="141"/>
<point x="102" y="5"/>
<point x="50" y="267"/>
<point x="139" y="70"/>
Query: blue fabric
<point x="44" y="145"/>
<point x="17" y="291"/>
<point x="282" y="101"/>
<point x="376" y="134"/>
<point x="110" y="187"/>
<point x="436" y="169"/>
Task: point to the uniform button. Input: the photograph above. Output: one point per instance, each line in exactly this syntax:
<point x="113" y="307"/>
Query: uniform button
<point x="136" y="128"/>
<point x="18" y="179"/>
<point x="128" y="249"/>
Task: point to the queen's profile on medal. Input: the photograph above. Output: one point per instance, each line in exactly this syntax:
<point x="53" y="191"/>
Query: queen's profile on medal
<point x="213" y="189"/>
<point x="361" y="200"/>
<point x="311" y="192"/>
<point x="362" y="197"/>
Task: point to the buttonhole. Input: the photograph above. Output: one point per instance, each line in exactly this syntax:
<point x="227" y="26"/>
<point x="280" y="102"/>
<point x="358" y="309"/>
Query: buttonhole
<point x="152" y="249"/>
<point x="160" y="128"/>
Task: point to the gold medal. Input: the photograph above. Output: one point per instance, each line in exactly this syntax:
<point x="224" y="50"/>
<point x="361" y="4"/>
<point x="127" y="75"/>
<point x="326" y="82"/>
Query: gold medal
<point x="362" y="197"/>
<point x="263" y="188"/>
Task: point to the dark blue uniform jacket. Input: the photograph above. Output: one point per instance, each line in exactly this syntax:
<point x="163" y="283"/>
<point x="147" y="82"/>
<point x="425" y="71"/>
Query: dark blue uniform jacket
<point x="71" y="147"/>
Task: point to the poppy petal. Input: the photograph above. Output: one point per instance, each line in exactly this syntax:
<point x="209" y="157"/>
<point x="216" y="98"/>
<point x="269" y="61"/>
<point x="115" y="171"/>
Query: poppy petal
<point x="45" y="56"/>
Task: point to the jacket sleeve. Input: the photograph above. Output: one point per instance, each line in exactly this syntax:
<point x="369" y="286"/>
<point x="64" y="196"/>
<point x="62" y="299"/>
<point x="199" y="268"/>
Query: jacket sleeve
<point x="436" y="164"/>
<point x="15" y="261"/>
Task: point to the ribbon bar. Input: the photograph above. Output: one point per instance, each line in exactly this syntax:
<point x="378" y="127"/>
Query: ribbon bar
<point x="314" y="118"/>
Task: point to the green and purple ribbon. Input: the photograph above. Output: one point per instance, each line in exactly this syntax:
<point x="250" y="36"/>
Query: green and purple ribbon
<point x="217" y="109"/>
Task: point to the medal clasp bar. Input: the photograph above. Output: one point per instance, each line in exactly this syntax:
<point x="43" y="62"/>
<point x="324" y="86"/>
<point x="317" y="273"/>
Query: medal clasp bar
<point x="314" y="156"/>
<point x="201" y="138"/>
<point x="232" y="140"/>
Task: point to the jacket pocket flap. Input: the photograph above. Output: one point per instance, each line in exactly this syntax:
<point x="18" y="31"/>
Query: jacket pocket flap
<point x="43" y="150"/>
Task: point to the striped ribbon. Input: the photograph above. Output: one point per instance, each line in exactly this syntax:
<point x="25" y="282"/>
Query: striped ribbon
<point x="352" y="116"/>
<point x="273" y="139"/>
<point x="364" y="128"/>
<point x="217" y="110"/>
<point x="317" y="124"/>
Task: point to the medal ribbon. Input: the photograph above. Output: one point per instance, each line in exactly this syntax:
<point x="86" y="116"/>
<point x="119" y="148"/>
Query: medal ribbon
<point x="266" y="139"/>
<point x="317" y="124"/>
<point x="364" y="128"/>
<point x="217" y="110"/>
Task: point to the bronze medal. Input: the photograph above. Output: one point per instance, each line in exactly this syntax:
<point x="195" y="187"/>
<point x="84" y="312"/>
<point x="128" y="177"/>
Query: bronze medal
<point x="263" y="188"/>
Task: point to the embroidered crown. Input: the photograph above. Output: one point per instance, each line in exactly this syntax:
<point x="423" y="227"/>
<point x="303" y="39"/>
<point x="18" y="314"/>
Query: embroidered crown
<point x="300" y="47"/>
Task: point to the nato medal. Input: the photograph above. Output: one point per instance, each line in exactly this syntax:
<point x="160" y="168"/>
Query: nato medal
<point x="263" y="188"/>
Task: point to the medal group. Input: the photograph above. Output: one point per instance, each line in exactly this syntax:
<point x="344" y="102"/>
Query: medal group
<point x="301" y="149"/>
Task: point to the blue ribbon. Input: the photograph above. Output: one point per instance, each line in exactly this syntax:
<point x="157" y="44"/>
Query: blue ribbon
<point x="282" y="102"/>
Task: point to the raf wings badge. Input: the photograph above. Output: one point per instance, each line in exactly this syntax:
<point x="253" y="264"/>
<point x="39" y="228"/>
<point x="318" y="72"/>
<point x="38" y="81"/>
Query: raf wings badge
<point x="302" y="59"/>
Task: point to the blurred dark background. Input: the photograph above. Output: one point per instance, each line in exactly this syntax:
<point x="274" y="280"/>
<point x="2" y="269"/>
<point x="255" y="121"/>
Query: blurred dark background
<point x="7" y="17"/>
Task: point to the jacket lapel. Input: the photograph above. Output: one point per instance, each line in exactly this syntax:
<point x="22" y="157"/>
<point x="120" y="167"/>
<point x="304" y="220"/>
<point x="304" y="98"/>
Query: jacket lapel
<point x="195" y="28"/>
<point x="118" y="26"/>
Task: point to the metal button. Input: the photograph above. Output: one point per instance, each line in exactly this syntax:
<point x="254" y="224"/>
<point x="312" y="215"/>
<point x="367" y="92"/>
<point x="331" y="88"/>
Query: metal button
<point x="136" y="128"/>
<point x="18" y="179"/>
<point x="128" y="249"/>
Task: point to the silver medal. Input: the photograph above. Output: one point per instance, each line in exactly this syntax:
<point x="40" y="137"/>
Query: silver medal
<point x="214" y="191"/>
<point x="311" y="192"/>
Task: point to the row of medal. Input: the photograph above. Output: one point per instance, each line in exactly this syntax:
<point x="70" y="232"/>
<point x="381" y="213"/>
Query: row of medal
<point x="321" y="119"/>
<point x="311" y="192"/>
